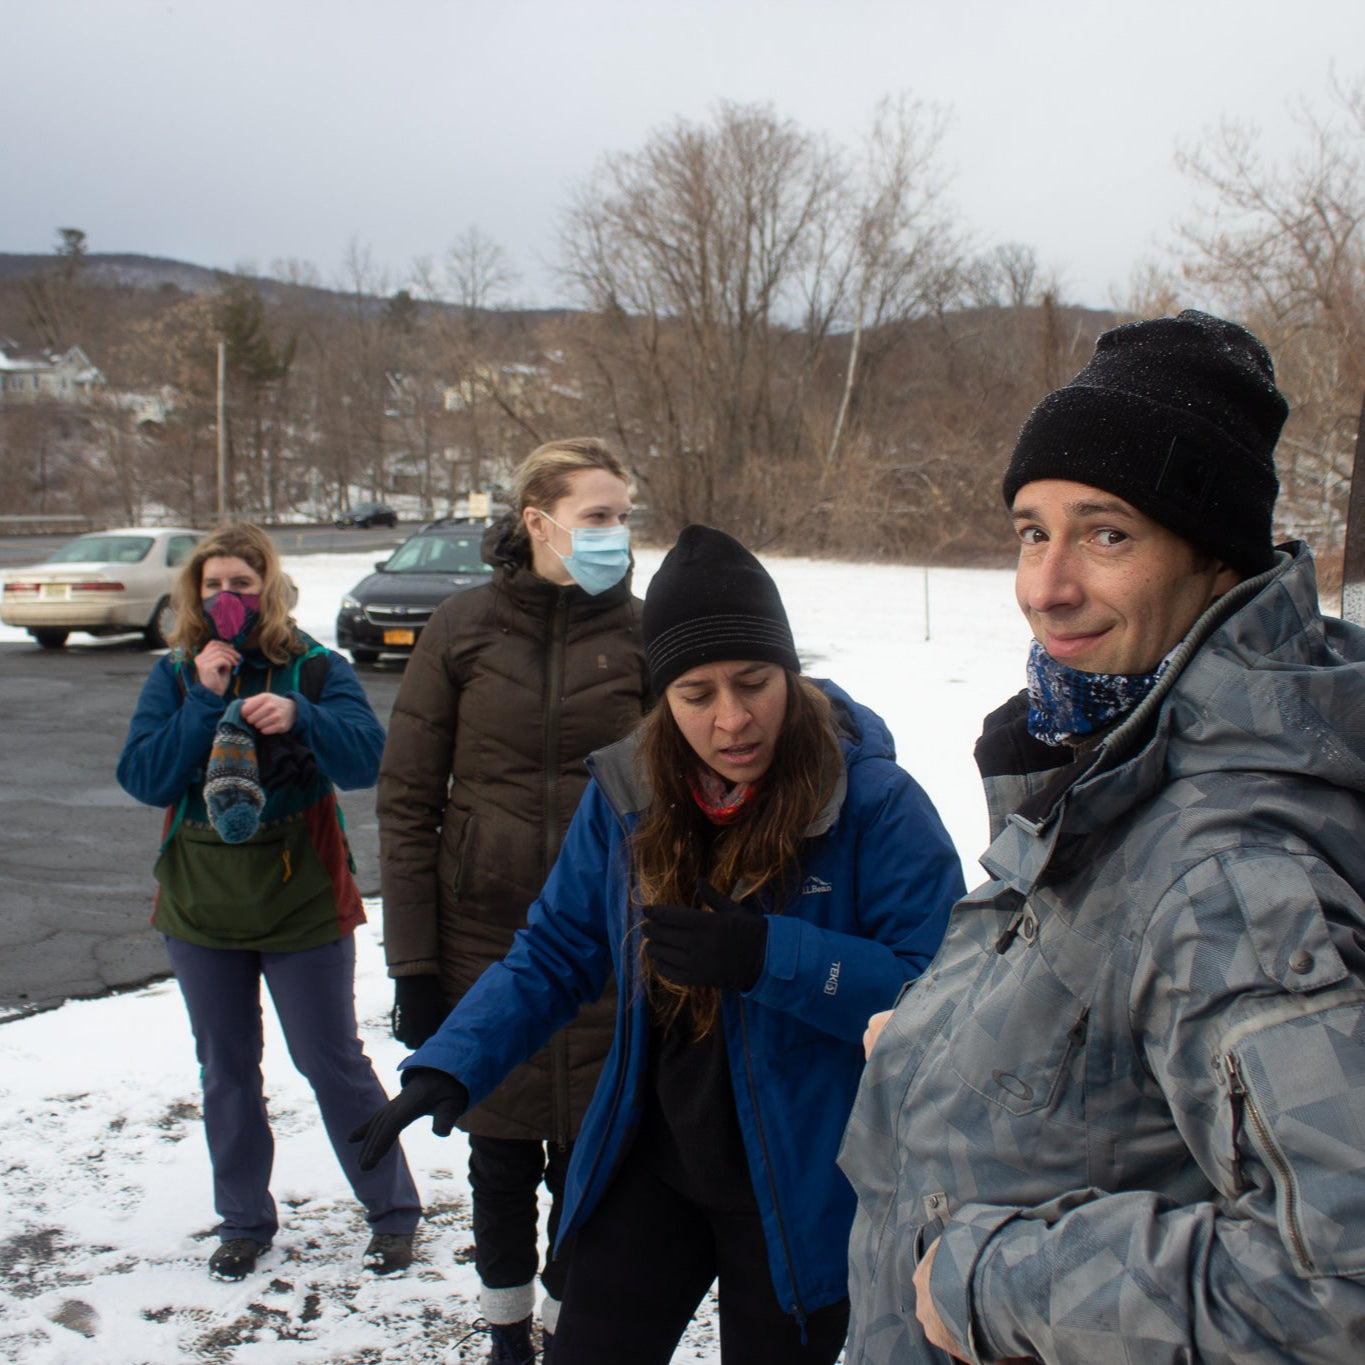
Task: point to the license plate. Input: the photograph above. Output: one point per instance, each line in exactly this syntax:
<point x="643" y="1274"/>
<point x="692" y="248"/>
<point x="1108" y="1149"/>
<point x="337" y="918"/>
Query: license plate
<point x="54" y="590"/>
<point x="400" y="637"/>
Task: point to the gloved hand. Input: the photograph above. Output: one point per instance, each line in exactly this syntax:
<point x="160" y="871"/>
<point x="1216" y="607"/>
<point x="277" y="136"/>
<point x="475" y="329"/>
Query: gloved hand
<point x="723" y="946"/>
<point x="419" y="1009"/>
<point x="425" y="1091"/>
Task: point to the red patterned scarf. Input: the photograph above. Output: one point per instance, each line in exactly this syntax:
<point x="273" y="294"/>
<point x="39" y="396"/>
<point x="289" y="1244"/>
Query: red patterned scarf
<point x="721" y="802"/>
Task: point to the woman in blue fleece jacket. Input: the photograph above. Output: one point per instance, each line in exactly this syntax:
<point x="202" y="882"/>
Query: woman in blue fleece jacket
<point x="761" y="876"/>
<point x="241" y="732"/>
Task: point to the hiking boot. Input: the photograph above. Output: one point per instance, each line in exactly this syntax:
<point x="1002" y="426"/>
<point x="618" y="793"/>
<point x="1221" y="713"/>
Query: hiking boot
<point x="511" y="1343"/>
<point x="235" y="1258"/>
<point x="389" y="1252"/>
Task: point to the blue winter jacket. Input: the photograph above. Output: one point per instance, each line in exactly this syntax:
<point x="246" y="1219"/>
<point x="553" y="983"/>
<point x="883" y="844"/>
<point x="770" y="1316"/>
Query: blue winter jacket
<point x="878" y="876"/>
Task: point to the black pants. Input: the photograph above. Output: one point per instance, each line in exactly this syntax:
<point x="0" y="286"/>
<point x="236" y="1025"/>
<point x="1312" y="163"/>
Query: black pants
<point x="643" y="1262"/>
<point x="504" y="1178"/>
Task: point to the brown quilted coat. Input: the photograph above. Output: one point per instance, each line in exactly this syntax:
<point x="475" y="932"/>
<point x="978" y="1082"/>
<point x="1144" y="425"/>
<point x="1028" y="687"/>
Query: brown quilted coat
<point x="511" y="686"/>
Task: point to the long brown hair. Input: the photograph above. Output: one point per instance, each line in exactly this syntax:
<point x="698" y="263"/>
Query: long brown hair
<point x="674" y="845"/>
<point x="276" y="635"/>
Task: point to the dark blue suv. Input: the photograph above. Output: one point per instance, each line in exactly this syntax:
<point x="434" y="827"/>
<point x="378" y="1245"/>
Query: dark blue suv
<point x="385" y="612"/>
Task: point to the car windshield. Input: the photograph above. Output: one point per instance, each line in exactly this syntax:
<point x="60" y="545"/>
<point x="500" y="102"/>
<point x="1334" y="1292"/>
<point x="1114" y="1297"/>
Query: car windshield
<point x="103" y="550"/>
<point x="439" y="554"/>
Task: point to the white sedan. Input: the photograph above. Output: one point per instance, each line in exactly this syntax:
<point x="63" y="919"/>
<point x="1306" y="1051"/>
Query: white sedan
<point x="105" y="583"/>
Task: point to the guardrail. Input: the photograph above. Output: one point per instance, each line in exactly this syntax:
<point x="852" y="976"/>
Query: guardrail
<point x="45" y="524"/>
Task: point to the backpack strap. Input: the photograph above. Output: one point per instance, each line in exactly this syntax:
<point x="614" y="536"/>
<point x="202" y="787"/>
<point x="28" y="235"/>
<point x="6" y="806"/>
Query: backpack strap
<point x="308" y="671"/>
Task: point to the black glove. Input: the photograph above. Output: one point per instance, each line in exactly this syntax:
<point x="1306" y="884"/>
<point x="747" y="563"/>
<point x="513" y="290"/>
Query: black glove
<point x="284" y="761"/>
<point x="425" y="1091"/>
<point x="419" y="1009"/>
<point x="723" y="946"/>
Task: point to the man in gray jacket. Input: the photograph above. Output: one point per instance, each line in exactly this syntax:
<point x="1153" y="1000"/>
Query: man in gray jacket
<point x="1122" y="1115"/>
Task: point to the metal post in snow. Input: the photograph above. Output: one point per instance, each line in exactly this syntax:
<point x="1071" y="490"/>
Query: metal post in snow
<point x="1353" y="560"/>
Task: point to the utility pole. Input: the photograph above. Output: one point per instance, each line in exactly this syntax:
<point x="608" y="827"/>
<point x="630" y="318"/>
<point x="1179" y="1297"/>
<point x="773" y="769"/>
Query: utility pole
<point x="222" y="431"/>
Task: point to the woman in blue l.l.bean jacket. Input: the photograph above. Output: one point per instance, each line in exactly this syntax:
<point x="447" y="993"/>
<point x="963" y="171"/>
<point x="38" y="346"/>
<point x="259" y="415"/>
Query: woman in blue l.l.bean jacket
<point x="738" y="1041"/>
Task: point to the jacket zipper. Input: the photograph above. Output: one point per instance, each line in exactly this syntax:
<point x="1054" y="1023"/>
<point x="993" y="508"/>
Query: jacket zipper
<point x="554" y="688"/>
<point x="626" y="982"/>
<point x="800" y="1308"/>
<point x="1237" y="1086"/>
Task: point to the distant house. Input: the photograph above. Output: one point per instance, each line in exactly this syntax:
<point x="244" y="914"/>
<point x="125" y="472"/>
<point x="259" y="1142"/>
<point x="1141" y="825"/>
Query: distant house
<point x="32" y="377"/>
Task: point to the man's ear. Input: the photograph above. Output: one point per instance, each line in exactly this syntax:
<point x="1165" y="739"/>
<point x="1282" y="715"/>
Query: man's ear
<point x="1225" y="579"/>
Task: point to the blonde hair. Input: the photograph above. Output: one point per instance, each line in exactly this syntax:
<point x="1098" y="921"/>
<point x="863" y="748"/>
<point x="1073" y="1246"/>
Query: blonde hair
<point x="276" y="634"/>
<point x="543" y="477"/>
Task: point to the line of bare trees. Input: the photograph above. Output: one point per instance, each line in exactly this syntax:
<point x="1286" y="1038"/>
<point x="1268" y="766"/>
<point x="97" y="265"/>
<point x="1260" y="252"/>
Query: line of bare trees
<point x="789" y="338"/>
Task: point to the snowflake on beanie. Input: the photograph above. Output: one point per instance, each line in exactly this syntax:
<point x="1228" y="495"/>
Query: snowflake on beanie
<point x="1066" y="705"/>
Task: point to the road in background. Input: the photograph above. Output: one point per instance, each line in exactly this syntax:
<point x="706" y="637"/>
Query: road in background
<point x="16" y="551"/>
<point x="76" y="851"/>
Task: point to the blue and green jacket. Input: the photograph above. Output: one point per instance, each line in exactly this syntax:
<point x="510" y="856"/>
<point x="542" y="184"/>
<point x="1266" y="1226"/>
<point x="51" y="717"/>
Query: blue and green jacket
<point x="292" y="885"/>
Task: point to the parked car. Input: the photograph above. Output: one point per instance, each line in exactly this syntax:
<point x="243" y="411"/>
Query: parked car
<point x="368" y="514"/>
<point x="385" y="612"/>
<point x="104" y="583"/>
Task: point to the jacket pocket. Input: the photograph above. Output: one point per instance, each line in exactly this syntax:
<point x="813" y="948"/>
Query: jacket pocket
<point x="241" y="892"/>
<point x="1296" y="1077"/>
<point x="1015" y="1039"/>
<point x="457" y="838"/>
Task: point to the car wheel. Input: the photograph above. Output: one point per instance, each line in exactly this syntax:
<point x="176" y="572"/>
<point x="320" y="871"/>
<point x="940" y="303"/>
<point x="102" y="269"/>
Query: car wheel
<point x="51" y="639"/>
<point x="365" y="656"/>
<point x="159" y="627"/>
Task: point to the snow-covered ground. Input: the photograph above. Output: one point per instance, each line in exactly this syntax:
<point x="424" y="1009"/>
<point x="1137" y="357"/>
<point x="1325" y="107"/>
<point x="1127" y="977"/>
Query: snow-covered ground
<point x="106" y="1216"/>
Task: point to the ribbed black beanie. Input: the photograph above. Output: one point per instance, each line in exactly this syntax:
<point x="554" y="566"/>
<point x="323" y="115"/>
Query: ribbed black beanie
<point x="711" y="601"/>
<point x="1177" y="416"/>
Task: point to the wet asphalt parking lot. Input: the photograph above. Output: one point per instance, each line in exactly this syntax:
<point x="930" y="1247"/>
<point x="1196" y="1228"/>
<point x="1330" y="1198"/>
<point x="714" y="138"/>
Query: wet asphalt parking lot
<point x="76" y="852"/>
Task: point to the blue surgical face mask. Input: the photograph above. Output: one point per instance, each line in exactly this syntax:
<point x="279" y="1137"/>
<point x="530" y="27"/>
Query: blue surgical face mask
<point x="599" y="557"/>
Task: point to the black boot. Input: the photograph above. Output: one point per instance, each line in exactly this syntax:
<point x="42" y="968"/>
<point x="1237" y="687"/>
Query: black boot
<point x="511" y="1343"/>
<point x="235" y="1258"/>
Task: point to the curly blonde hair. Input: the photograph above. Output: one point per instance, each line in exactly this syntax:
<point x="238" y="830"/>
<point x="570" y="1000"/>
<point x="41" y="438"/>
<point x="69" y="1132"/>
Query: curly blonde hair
<point x="276" y="634"/>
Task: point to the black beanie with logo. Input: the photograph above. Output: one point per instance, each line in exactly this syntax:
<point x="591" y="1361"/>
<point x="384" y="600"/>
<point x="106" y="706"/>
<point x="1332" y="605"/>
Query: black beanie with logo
<point x="711" y="601"/>
<point x="1177" y="416"/>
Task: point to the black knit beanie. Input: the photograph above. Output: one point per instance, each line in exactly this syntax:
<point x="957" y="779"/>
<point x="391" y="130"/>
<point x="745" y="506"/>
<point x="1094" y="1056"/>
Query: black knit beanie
<point x="711" y="601"/>
<point x="1179" y="417"/>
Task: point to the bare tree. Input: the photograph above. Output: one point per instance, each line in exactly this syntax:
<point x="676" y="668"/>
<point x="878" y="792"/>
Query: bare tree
<point x="477" y="279"/>
<point x="717" y="262"/>
<point x="1283" y="248"/>
<point x="1007" y="276"/>
<point x="903" y="253"/>
<point x="1154" y="291"/>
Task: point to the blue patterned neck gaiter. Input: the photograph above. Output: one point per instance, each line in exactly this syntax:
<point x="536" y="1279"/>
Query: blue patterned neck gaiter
<point x="1065" y="705"/>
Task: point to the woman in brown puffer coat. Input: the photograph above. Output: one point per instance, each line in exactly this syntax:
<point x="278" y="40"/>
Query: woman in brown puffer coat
<point x="512" y="684"/>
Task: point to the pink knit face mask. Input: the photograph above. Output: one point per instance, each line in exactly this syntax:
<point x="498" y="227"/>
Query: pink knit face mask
<point x="232" y="615"/>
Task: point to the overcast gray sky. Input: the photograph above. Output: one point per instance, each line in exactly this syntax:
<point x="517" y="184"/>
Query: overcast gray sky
<point x="245" y="133"/>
